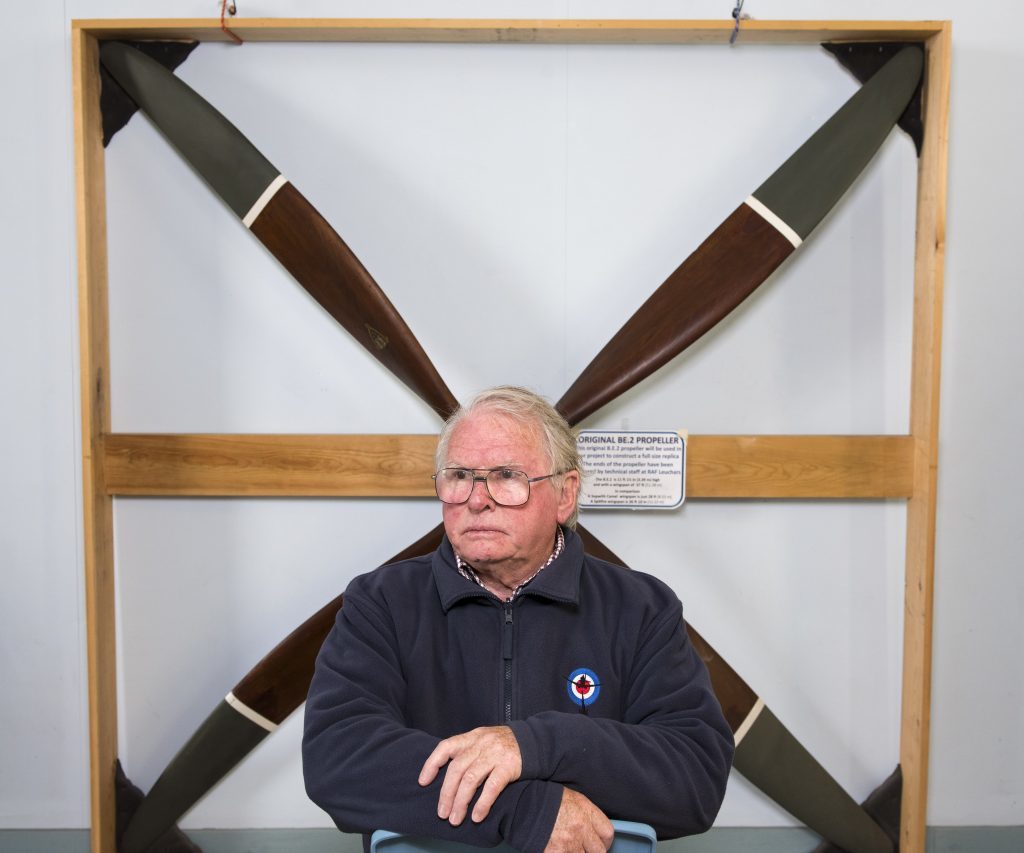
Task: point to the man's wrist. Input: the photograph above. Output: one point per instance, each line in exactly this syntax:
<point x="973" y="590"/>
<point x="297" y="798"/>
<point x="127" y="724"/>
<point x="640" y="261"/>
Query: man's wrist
<point x="533" y="820"/>
<point x="529" y="749"/>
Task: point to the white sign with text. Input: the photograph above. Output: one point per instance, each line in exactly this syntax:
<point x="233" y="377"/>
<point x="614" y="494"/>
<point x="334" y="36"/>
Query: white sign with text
<point x="632" y="470"/>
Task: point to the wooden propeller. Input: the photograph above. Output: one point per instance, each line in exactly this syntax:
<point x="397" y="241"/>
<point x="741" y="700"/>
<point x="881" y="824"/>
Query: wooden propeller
<point x="280" y="218"/>
<point x="755" y="239"/>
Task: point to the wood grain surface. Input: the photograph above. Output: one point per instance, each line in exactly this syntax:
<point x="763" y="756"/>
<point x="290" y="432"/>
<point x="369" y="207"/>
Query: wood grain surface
<point x="306" y="245"/>
<point x="271" y="465"/>
<point x="97" y="505"/>
<point x="718" y="466"/>
<point x="726" y="268"/>
<point x="926" y="365"/>
<point x="511" y="30"/>
<point x="800" y="466"/>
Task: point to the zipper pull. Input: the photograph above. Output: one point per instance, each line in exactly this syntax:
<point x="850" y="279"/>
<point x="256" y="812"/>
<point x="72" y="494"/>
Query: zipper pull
<point x="506" y="640"/>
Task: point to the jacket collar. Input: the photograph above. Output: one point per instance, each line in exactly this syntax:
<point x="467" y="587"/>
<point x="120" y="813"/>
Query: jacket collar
<point x="560" y="581"/>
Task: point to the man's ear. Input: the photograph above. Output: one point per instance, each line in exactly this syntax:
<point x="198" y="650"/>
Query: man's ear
<point x="568" y="495"/>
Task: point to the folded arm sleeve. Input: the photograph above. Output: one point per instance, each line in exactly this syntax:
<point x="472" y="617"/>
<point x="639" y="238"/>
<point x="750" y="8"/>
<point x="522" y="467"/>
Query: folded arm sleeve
<point x="361" y="762"/>
<point x="666" y="763"/>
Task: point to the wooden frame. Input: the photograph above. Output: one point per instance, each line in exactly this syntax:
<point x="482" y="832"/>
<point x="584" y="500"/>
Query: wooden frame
<point x="903" y="466"/>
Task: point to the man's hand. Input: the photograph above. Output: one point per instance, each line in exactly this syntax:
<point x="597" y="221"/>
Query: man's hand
<point x="580" y="826"/>
<point x="487" y="757"/>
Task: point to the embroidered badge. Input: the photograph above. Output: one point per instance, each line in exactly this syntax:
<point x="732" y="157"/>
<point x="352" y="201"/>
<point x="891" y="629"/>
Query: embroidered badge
<point x="583" y="688"/>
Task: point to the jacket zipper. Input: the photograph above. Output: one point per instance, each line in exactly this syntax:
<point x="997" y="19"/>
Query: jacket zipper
<point x="506" y="653"/>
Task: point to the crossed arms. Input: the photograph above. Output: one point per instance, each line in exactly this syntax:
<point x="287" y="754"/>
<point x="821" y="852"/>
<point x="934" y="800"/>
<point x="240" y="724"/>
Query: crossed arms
<point x="547" y="782"/>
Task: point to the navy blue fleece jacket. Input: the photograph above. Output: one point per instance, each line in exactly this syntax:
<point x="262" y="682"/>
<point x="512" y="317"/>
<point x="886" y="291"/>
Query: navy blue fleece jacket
<point x="419" y="653"/>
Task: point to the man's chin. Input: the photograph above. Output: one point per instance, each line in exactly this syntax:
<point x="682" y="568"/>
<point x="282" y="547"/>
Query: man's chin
<point x="481" y="554"/>
<point x="480" y="547"/>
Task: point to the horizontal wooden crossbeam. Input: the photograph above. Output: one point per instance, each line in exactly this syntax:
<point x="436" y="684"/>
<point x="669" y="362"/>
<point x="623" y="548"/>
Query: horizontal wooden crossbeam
<point x="512" y="30"/>
<point x="718" y="466"/>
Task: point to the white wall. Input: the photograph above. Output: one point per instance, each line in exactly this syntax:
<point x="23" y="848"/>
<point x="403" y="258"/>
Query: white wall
<point x="43" y="737"/>
<point x="551" y="189"/>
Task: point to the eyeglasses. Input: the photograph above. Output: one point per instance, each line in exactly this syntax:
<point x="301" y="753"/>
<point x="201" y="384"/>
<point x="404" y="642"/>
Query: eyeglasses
<point x="505" y="486"/>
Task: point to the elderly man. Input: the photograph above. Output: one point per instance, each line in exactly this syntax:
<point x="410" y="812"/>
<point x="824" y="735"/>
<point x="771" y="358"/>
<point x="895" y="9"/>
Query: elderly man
<point x="509" y="687"/>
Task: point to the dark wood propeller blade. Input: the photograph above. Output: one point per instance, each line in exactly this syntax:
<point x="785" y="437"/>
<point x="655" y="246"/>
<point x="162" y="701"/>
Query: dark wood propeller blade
<point x="278" y="684"/>
<point x="770" y="757"/>
<point x="752" y="242"/>
<point x="278" y="215"/>
<point x="272" y="689"/>
<point x="726" y="268"/>
<point x="306" y="245"/>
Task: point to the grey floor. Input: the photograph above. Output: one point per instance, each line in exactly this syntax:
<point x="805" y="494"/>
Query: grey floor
<point x="971" y="839"/>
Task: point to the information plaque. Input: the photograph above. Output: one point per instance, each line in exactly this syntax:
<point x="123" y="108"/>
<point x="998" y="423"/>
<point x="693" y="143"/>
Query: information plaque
<point x="632" y="470"/>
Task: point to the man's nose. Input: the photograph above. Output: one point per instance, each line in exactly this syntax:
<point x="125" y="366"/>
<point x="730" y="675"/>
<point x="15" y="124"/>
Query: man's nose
<point x="480" y="498"/>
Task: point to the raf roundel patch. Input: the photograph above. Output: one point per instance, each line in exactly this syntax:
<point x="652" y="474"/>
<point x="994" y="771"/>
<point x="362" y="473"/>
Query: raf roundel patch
<point x="584" y="687"/>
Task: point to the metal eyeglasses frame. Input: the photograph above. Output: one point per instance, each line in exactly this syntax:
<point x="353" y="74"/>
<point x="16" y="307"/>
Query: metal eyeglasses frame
<point x="487" y="486"/>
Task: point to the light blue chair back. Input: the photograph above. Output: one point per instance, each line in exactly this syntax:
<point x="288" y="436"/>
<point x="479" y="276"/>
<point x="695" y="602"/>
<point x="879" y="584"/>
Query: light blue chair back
<point x="629" y="838"/>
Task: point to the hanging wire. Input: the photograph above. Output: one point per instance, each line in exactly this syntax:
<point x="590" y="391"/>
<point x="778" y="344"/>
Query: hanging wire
<point x="231" y="8"/>
<point x="736" y="15"/>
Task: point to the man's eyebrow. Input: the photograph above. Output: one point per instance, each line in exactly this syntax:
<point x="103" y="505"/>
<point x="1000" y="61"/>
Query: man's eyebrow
<point x="516" y="465"/>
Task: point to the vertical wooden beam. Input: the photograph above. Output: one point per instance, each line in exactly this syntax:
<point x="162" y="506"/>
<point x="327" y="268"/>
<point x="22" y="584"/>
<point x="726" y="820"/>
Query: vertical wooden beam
<point x="924" y="427"/>
<point x="90" y="207"/>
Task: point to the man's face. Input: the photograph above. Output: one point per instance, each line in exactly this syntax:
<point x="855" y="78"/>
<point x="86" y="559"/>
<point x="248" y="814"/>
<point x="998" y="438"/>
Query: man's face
<point x="505" y="538"/>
